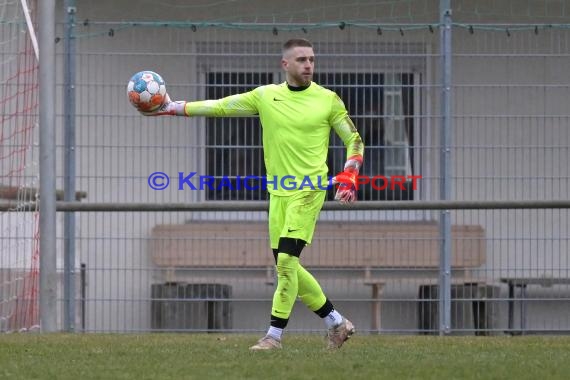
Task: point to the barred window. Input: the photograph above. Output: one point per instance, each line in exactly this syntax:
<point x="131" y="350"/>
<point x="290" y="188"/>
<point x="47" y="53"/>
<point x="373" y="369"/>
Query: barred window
<point x="382" y="108"/>
<point x="234" y="144"/>
<point x="380" y="104"/>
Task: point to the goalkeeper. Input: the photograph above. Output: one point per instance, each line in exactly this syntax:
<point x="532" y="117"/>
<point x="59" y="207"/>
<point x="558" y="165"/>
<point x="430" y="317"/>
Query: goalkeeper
<point x="297" y="117"/>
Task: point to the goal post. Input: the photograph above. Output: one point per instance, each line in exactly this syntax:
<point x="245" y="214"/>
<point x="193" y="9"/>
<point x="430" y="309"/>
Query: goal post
<point x="19" y="170"/>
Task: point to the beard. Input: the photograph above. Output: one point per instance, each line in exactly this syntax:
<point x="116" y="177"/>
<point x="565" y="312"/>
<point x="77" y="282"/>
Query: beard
<point x="303" y="80"/>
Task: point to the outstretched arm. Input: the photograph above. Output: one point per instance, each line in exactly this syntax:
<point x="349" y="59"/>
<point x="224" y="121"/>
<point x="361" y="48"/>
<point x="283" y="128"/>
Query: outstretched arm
<point x="244" y="104"/>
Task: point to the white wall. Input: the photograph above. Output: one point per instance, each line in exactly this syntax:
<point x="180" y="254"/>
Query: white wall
<point x="506" y="100"/>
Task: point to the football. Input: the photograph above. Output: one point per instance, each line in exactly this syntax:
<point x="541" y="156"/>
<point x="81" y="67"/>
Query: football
<point x="146" y="91"/>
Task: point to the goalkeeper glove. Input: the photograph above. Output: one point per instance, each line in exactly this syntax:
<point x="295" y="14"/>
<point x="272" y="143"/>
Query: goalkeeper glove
<point x="167" y="108"/>
<point x="346" y="191"/>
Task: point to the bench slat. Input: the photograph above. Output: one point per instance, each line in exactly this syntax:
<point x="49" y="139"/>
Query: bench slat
<point x="336" y="244"/>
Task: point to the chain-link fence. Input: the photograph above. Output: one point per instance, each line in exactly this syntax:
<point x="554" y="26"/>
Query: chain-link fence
<point x="213" y="270"/>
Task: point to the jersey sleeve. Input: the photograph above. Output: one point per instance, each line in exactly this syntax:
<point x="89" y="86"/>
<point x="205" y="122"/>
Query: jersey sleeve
<point x="244" y="104"/>
<point x="345" y="129"/>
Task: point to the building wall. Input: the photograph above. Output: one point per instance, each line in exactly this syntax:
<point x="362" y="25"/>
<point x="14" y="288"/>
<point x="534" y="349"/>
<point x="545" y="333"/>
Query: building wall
<point x="510" y="129"/>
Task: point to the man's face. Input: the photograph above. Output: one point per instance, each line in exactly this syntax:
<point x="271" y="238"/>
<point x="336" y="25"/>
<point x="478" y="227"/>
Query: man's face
<point x="299" y="63"/>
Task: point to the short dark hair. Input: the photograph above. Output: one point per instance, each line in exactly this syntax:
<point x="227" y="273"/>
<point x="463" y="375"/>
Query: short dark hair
<point x="296" y="42"/>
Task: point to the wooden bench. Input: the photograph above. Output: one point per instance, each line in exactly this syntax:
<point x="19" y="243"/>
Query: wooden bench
<point x="360" y="246"/>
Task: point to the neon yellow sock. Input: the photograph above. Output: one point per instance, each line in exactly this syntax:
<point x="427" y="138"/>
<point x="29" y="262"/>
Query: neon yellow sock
<point x="310" y="291"/>
<point x="287" y="285"/>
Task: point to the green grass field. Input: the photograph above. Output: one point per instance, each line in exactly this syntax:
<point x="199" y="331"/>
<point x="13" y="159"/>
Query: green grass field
<point x="217" y="356"/>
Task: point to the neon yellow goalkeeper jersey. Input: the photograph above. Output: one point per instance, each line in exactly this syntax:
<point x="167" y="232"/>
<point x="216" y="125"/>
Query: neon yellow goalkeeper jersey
<point x="296" y="129"/>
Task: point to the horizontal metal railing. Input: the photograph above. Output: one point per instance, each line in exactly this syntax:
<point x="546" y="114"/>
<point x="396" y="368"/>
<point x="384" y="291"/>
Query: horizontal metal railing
<point x="262" y="206"/>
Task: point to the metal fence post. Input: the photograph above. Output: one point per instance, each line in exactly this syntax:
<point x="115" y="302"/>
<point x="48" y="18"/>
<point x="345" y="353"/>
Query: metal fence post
<point x="48" y="271"/>
<point x="69" y="169"/>
<point x="445" y="169"/>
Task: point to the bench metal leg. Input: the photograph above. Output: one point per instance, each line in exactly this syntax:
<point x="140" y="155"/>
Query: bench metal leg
<point x="479" y="310"/>
<point x="523" y="308"/>
<point x="375" y="323"/>
<point x="511" y="308"/>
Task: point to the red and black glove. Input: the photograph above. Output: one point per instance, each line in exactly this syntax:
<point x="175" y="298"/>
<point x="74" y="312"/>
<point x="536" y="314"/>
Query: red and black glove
<point x="346" y="180"/>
